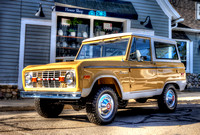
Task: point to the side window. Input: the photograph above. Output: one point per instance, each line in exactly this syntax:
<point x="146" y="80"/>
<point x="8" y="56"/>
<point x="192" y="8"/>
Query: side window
<point x="165" y="51"/>
<point x="140" y="49"/>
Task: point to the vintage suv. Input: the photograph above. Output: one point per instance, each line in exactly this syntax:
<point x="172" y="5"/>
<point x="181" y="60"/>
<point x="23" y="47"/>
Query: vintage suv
<point x="107" y="72"/>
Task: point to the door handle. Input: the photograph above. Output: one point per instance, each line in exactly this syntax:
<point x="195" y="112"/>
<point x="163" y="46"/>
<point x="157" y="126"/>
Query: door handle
<point x="154" y="63"/>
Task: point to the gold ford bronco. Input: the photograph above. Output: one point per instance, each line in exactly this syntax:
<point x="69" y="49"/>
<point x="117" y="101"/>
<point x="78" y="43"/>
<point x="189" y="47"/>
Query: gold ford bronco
<point x="107" y="72"/>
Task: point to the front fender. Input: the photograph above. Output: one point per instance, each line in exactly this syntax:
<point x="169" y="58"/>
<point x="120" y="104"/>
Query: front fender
<point x="86" y="91"/>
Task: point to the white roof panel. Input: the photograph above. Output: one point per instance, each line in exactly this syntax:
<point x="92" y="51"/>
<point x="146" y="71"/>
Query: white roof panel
<point x="155" y="38"/>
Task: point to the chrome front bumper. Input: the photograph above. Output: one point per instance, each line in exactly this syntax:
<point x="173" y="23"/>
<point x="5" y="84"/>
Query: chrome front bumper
<point x="51" y="95"/>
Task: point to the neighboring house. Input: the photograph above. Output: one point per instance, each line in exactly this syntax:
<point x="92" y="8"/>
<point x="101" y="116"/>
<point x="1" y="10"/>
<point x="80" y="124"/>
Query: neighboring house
<point x="187" y="34"/>
<point x="27" y="38"/>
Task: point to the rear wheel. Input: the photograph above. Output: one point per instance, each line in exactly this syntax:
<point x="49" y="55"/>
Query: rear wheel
<point x="167" y="102"/>
<point x="48" y="108"/>
<point x="102" y="106"/>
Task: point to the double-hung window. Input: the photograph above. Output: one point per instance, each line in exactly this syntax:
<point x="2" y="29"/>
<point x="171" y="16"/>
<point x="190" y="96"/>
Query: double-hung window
<point x="185" y="48"/>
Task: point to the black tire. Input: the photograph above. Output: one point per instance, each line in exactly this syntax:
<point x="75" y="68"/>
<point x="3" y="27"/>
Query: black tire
<point x="96" y="115"/>
<point x="141" y="100"/>
<point x="165" y="104"/>
<point x="122" y="103"/>
<point x="48" y="108"/>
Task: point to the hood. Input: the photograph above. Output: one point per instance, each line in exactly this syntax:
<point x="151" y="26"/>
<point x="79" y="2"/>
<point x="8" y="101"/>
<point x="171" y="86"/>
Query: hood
<point x="53" y="66"/>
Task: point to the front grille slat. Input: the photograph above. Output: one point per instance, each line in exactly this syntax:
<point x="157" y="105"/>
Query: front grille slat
<point x="49" y="79"/>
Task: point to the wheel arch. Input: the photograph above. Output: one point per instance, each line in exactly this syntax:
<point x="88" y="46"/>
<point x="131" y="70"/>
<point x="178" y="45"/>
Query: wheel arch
<point x="104" y="80"/>
<point x="174" y="83"/>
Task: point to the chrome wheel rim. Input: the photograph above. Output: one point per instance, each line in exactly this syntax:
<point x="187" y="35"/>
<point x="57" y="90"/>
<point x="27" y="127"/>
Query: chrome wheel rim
<point x="105" y="106"/>
<point x="170" y="98"/>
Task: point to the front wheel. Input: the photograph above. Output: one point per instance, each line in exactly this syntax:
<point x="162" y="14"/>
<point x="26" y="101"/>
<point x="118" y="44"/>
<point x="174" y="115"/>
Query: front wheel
<point x="167" y="102"/>
<point x="102" y="106"/>
<point x="48" y="108"/>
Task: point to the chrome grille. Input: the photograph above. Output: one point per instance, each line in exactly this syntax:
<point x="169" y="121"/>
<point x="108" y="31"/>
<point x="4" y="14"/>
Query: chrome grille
<point x="49" y="79"/>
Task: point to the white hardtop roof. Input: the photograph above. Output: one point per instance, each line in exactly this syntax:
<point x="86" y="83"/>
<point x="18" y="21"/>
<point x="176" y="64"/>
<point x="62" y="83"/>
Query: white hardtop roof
<point x="155" y="38"/>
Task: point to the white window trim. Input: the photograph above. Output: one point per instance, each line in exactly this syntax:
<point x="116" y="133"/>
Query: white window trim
<point x="24" y="22"/>
<point x="170" y="28"/>
<point x="55" y="14"/>
<point x="189" y="55"/>
<point x="197" y="10"/>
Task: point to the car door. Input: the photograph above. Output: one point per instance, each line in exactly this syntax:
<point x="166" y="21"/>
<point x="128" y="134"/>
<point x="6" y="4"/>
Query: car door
<point x="169" y="67"/>
<point x="142" y="69"/>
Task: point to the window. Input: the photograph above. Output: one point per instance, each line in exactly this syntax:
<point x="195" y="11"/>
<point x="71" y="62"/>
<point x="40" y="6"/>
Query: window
<point x="185" y="48"/>
<point x="165" y="51"/>
<point x="104" y="49"/>
<point x="140" y="48"/>
<point x="107" y="27"/>
<point x="198" y="11"/>
<point x="182" y="51"/>
<point x="70" y="33"/>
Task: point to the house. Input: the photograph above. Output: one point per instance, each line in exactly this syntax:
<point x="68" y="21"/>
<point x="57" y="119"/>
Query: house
<point x="187" y="35"/>
<point x="43" y="31"/>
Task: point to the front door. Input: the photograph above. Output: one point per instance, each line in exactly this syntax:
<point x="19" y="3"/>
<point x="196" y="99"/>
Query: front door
<point x="142" y="70"/>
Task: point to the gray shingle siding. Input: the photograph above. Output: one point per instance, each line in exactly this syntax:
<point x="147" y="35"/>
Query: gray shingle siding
<point x="11" y="12"/>
<point x="29" y="8"/>
<point x="151" y="8"/>
<point x="9" y="40"/>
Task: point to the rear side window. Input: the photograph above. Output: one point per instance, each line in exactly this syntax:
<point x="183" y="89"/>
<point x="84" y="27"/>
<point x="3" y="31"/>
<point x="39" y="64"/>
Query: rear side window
<point x="165" y="51"/>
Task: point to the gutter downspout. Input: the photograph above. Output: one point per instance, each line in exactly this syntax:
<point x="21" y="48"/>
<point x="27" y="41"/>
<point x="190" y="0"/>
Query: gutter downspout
<point x="175" y="26"/>
<point x="176" y="22"/>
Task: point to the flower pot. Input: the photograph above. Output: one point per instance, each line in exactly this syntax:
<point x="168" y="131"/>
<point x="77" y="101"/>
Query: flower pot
<point x="60" y="32"/>
<point x="73" y="34"/>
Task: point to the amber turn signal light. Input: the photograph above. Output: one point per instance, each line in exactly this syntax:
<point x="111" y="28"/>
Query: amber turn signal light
<point x="34" y="79"/>
<point x="86" y="77"/>
<point x="61" y="79"/>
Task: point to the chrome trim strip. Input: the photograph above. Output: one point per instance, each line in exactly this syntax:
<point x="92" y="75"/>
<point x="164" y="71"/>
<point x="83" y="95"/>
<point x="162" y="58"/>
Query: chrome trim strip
<point x="156" y="67"/>
<point x="143" y="91"/>
<point x="50" y="95"/>
<point x="141" y="94"/>
<point x="106" y="67"/>
<point x="127" y="67"/>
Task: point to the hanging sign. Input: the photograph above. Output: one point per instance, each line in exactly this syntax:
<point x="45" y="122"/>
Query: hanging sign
<point x="81" y="11"/>
<point x="93" y="12"/>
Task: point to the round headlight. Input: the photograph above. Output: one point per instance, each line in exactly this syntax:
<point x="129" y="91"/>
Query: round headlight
<point x="69" y="78"/>
<point x="28" y="78"/>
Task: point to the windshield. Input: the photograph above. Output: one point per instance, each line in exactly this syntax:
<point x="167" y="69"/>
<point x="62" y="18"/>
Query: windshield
<point x="103" y="49"/>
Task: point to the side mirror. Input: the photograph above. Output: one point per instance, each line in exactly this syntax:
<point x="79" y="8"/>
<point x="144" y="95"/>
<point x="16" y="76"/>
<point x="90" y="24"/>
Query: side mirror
<point x="133" y="56"/>
<point x="142" y="58"/>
